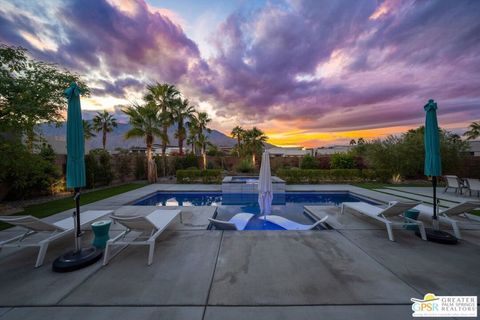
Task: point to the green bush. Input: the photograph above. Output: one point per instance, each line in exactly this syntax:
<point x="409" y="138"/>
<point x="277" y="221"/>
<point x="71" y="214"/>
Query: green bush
<point x="123" y="164"/>
<point x="140" y="167"/>
<point x="309" y="162"/>
<point x="199" y="176"/>
<point x="342" y="161"/>
<point x="24" y="174"/>
<point x="99" y="169"/>
<point x="333" y="175"/>
<point x="184" y="162"/>
<point x="245" y="166"/>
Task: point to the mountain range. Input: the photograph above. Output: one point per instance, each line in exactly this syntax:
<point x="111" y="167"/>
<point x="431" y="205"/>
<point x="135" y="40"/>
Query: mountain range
<point x="115" y="139"/>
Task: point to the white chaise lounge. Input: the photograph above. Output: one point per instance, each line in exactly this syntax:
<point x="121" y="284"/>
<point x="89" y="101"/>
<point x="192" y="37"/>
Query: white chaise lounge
<point x="292" y="225"/>
<point x="446" y="215"/>
<point x="54" y="230"/>
<point x="473" y="185"/>
<point x="150" y="227"/>
<point x="454" y="182"/>
<point x="383" y="215"/>
<point x="237" y="222"/>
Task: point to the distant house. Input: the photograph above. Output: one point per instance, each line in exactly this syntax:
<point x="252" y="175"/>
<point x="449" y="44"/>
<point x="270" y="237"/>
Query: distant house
<point x="474" y="148"/>
<point x="289" y="152"/>
<point x="332" y="150"/>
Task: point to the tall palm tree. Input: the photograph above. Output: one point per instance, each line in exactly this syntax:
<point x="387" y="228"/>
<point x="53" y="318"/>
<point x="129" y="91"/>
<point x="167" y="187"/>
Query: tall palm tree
<point x="163" y="96"/>
<point x="473" y="132"/>
<point x="238" y="133"/>
<point x="88" y="130"/>
<point x="192" y="125"/>
<point x="254" y="139"/>
<point x="146" y="124"/>
<point x="202" y="139"/>
<point x="104" y="122"/>
<point x="182" y="110"/>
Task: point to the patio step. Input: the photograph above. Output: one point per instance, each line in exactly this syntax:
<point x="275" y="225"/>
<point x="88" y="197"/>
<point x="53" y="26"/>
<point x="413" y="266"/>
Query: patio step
<point x="417" y="197"/>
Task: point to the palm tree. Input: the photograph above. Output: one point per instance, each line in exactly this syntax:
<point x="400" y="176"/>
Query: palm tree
<point x="163" y="96"/>
<point x="181" y="111"/>
<point x="104" y="122"/>
<point x="192" y="125"/>
<point x="353" y="142"/>
<point x="202" y="140"/>
<point x="88" y="130"/>
<point x="146" y="124"/>
<point x="473" y="132"/>
<point x="238" y="133"/>
<point x="254" y="140"/>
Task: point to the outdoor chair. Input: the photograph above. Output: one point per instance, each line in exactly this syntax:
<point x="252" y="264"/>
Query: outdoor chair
<point x="454" y="182"/>
<point x="237" y="222"/>
<point x="473" y="185"/>
<point x="446" y="215"/>
<point x="292" y="225"/>
<point x="150" y="228"/>
<point x="384" y="215"/>
<point x="54" y="230"/>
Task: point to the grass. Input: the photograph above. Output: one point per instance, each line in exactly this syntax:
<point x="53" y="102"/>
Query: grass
<point x="55" y="206"/>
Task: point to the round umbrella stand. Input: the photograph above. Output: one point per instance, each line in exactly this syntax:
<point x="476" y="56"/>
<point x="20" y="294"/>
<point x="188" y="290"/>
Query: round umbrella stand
<point x="438" y="236"/>
<point x="75" y="260"/>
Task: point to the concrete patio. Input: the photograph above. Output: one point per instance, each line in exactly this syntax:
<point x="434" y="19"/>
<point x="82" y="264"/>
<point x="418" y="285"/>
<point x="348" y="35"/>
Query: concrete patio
<point x="352" y="271"/>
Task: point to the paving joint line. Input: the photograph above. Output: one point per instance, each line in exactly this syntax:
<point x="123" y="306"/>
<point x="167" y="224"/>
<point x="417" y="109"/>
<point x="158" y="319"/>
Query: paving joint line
<point x="213" y="275"/>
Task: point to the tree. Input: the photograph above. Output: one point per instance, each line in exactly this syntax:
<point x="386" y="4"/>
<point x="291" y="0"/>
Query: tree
<point x="473" y="132"/>
<point x="192" y="126"/>
<point x="361" y="141"/>
<point x="88" y="130"/>
<point x="31" y="92"/>
<point x="202" y="140"/>
<point x="182" y="110"/>
<point x="146" y="124"/>
<point x="163" y="96"/>
<point x="353" y="142"/>
<point x="238" y="133"/>
<point x="253" y="142"/>
<point x="104" y="122"/>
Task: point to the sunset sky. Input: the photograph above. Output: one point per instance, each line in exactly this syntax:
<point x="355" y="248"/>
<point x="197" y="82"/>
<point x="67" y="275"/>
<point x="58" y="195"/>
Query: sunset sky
<point x="308" y="73"/>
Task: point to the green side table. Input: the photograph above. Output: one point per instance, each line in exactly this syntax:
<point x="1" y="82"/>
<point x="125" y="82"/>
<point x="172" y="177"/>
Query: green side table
<point x="412" y="214"/>
<point x="100" y="230"/>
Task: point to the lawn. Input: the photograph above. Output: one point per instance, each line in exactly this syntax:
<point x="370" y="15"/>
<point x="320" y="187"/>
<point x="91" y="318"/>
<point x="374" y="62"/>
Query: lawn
<point x="55" y="206"/>
<point x="379" y="185"/>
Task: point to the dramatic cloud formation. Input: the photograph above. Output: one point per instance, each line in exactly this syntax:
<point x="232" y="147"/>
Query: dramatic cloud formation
<point x="306" y="71"/>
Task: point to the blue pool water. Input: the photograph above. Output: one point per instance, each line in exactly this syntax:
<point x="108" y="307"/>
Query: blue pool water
<point x="289" y="205"/>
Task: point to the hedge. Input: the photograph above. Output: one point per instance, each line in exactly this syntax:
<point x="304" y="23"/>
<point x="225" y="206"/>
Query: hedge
<point x="199" y="176"/>
<point x="332" y="175"/>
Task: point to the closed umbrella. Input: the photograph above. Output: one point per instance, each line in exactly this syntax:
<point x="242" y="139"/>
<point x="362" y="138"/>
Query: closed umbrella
<point x="78" y="258"/>
<point x="265" y="190"/>
<point x="433" y="167"/>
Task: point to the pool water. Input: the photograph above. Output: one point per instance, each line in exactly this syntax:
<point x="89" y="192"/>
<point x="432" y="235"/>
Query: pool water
<point x="289" y="204"/>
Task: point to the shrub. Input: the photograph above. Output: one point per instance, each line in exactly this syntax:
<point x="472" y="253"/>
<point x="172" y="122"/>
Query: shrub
<point x="24" y="174"/>
<point x="123" y="164"/>
<point x="98" y="167"/>
<point x="245" y="166"/>
<point x="199" y="176"/>
<point x="140" y="167"/>
<point x="183" y="162"/>
<point x="342" y="161"/>
<point x="332" y="175"/>
<point x="308" y="162"/>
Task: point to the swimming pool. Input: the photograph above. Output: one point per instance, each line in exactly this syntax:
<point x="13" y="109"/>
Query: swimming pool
<point x="289" y="204"/>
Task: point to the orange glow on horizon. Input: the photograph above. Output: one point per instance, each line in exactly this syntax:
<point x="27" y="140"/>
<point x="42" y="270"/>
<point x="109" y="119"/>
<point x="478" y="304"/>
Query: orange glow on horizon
<point x="316" y="139"/>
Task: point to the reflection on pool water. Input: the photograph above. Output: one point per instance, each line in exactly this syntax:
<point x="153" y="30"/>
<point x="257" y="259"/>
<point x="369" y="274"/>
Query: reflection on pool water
<point x="289" y="205"/>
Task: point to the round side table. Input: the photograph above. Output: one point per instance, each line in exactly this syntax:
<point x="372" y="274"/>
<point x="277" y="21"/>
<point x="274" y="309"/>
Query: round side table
<point x="100" y="230"/>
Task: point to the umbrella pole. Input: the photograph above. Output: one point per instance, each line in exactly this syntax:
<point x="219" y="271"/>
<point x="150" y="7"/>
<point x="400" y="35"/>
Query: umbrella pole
<point x="435" y="205"/>
<point x="78" y="232"/>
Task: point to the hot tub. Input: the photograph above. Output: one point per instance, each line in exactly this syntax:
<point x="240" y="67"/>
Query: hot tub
<point x="249" y="184"/>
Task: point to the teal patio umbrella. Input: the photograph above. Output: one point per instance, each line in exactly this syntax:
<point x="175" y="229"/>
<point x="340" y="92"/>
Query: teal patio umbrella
<point x="433" y="161"/>
<point x="78" y="258"/>
<point x="433" y="168"/>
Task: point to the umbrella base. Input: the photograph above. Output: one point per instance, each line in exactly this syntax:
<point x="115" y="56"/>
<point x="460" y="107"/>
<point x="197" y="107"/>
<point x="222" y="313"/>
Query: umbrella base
<point x="439" y="236"/>
<point x="75" y="260"/>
